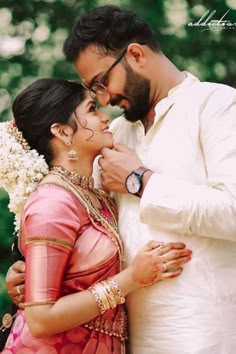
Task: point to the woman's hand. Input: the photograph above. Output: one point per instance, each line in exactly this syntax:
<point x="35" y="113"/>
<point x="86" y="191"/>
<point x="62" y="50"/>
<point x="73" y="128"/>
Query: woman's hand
<point x="15" y="280"/>
<point x="158" y="261"/>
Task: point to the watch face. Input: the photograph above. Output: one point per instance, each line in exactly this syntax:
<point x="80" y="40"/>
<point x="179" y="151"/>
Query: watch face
<point x="133" y="184"/>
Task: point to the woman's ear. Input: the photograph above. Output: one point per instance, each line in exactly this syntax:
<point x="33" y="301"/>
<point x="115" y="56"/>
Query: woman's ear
<point x="63" y="132"/>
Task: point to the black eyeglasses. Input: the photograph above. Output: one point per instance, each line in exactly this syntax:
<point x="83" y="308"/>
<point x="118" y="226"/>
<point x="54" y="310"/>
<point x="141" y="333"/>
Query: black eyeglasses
<point x="98" y="87"/>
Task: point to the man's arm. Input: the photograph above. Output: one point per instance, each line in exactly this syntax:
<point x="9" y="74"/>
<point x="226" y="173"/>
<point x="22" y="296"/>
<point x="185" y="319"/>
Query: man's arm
<point x="203" y="210"/>
<point x="15" y="279"/>
<point x="182" y="206"/>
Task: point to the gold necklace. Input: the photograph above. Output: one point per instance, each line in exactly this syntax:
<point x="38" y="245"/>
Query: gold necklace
<point x="86" y="183"/>
<point x="92" y="200"/>
<point x="75" y="177"/>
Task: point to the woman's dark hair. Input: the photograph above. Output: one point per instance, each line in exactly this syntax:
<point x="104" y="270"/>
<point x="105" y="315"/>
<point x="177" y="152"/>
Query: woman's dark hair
<point x="43" y="103"/>
<point x="111" y="29"/>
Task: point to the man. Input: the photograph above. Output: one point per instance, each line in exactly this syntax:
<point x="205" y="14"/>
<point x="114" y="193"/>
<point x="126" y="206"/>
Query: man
<point x="173" y="173"/>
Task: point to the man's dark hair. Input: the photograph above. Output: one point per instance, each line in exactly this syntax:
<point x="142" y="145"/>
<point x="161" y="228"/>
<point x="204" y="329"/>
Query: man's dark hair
<point x="111" y="29"/>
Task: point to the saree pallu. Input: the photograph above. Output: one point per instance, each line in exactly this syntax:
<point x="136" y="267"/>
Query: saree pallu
<point x="80" y="340"/>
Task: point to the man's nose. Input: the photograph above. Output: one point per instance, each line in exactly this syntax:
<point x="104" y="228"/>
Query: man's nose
<point x="105" y="99"/>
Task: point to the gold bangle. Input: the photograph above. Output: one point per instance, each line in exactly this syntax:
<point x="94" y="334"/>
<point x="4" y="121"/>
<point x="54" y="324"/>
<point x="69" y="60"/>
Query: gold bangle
<point x="98" y="299"/>
<point x="120" y="299"/>
<point x="109" y="294"/>
<point x="103" y="295"/>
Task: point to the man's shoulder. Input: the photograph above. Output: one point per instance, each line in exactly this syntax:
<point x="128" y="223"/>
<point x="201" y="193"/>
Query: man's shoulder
<point x="204" y="92"/>
<point x="205" y="88"/>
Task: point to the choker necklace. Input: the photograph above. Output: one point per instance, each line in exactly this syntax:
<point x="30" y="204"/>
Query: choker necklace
<point x="74" y="177"/>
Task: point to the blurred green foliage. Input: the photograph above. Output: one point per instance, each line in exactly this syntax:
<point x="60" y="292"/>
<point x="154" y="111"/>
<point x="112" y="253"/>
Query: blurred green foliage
<point x="32" y="35"/>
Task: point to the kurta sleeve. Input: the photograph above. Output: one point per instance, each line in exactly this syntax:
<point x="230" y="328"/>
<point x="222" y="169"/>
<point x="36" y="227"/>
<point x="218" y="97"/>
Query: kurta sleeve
<point x="50" y="227"/>
<point x="204" y="209"/>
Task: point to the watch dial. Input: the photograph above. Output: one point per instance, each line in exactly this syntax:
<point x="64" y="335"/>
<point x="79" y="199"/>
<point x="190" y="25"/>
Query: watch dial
<point x="133" y="184"/>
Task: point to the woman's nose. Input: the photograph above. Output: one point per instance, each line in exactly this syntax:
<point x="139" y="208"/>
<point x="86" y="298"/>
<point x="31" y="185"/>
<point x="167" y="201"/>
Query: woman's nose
<point x="105" y="117"/>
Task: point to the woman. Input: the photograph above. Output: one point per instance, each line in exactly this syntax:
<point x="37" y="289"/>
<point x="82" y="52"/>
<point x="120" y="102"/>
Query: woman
<point x="74" y="285"/>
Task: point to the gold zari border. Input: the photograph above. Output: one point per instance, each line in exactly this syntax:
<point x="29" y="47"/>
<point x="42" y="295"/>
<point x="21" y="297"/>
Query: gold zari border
<point x="36" y="303"/>
<point x="48" y="240"/>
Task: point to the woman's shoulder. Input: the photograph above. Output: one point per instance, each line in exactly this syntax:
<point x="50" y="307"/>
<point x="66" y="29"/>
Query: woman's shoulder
<point x="49" y="192"/>
<point x="50" y="199"/>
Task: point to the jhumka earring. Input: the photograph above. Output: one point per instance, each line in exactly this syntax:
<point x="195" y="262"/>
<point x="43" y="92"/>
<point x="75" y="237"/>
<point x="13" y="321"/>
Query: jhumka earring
<point x="72" y="155"/>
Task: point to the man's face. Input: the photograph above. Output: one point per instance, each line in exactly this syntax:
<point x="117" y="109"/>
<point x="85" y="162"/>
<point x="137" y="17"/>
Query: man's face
<point x="123" y="86"/>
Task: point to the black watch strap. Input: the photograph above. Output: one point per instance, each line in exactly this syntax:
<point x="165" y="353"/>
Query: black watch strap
<point x="140" y="171"/>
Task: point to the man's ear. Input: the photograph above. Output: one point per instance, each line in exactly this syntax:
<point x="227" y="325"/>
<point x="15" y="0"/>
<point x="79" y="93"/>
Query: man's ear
<point x="63" y="132"/>
<point x="136" y="53"/>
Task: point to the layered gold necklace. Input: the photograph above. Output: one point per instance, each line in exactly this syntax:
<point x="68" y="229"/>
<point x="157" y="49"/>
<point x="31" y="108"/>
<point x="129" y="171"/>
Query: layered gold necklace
<point x="86" y="183"/>
<point x="93" y="200"/>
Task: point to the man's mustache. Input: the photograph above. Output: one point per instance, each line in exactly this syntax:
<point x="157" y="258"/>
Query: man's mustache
<point x="115" y="101"/>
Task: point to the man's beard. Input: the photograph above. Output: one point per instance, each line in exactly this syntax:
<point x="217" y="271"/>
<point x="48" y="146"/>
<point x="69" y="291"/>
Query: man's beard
<point x="137" y="91"/>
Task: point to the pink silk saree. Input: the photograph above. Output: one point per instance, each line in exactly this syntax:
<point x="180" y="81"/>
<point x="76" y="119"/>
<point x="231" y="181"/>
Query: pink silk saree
<point x="66" y="253"/>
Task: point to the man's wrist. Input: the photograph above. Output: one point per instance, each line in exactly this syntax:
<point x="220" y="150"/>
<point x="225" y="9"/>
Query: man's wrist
<point x="135" y="182"/>
<point x="146" y="176"/>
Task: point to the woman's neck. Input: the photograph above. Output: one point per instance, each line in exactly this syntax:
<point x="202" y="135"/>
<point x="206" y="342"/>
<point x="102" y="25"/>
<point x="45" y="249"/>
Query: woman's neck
<point x="84" y="168"/>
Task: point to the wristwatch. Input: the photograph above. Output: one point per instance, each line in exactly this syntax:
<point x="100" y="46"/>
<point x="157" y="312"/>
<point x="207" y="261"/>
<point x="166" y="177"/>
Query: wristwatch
<point x="133" y="182"/>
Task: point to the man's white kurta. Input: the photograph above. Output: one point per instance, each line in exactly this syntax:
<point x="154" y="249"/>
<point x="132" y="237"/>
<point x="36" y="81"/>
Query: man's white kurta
<point x="191" y="198"/>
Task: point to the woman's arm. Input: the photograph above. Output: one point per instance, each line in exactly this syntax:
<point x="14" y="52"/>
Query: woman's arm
<point x="151" y="265"/>
<point x="75" y="309"/>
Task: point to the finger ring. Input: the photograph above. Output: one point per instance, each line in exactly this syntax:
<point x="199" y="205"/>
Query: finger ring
<point x="165" y="267"/>
<point x="18" y="290"/>
<point x="161" y="246"/>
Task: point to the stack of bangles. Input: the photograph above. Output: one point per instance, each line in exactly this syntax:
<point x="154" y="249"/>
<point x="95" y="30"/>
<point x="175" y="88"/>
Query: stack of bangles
<point x="107" y="294"/>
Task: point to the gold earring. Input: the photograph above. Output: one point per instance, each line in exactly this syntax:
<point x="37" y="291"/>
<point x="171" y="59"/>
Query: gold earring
<point x="72" y="155"/>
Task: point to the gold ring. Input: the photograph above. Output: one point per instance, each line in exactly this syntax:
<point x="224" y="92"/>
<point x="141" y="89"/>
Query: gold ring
<point x="161" y="246"/>
<point x="18" y="290"/>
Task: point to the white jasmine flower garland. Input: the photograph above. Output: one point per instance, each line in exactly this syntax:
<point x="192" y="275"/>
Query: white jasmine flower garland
<point x="21" y="169"/>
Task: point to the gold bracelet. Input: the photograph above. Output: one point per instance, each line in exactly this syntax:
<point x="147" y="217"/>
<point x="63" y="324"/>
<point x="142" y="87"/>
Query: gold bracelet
<point x="120" y="299"/>
<point x="109" y="294"/>
<point x="103" y="295"/>
<point x="96" y="294"/>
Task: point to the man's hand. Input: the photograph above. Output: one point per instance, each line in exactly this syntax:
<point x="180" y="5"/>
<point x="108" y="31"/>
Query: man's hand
<point x="116" y="165"/>
<point x="15" y="280"/>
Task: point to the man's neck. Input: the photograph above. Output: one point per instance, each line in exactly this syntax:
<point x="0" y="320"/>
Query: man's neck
<point x="168" y="77"/>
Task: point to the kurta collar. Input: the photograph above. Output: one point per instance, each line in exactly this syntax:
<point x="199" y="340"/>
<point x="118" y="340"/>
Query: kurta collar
<point x="166" y="103"/>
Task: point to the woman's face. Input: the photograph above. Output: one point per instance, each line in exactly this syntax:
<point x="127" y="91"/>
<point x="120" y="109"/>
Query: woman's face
<point x="92" y="128"/>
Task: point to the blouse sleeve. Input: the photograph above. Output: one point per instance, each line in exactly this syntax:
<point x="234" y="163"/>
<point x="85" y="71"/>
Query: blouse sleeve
<point x="49" y="227"/>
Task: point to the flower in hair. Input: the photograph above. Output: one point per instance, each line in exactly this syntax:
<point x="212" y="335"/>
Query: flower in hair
<point x="21" y="168"/>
